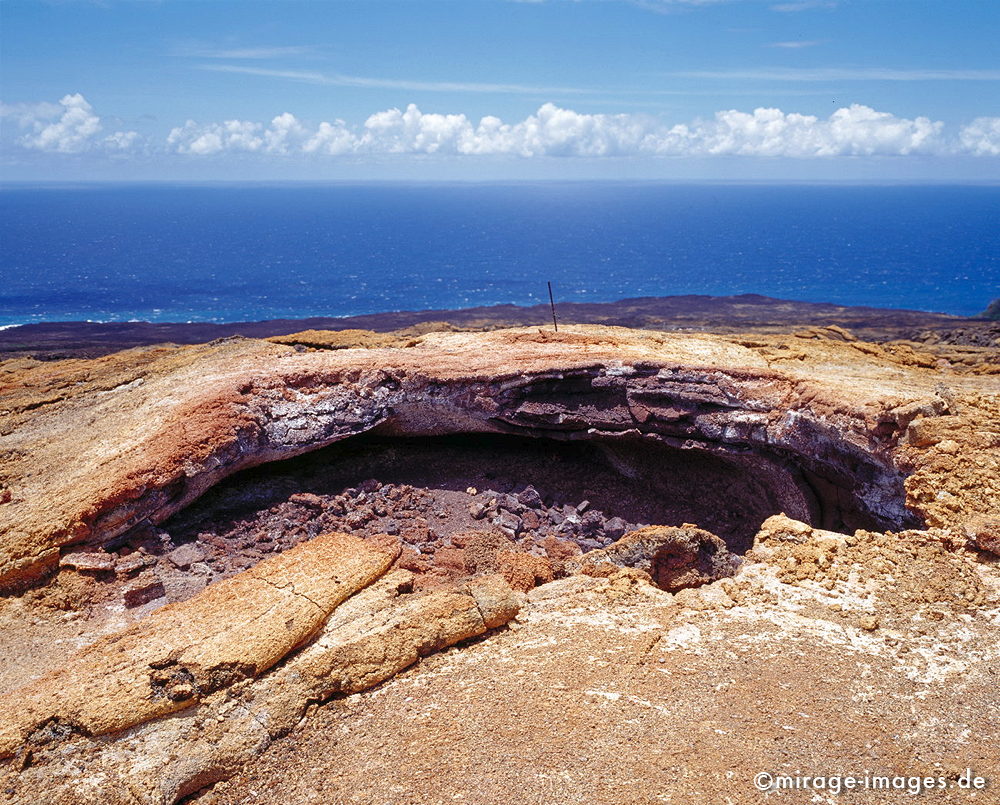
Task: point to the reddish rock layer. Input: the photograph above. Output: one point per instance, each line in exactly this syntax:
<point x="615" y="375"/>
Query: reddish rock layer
<point x="94" y="448"/>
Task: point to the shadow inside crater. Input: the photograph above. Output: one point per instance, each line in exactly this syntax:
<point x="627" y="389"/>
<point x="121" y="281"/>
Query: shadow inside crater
<point x="587" y="491"/>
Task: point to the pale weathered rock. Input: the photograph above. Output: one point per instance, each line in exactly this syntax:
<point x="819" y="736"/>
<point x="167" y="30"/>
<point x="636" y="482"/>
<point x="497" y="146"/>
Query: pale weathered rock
<point x="780" y="532"/>
<point x="96" y="562"/>
<point x="185" y="556"/>
<point x="910" y="571"/>
<point x="234" y="630"/>
<point x="373" y="635"/>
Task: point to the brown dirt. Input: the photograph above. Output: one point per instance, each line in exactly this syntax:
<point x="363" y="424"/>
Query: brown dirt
<point x="634" y="697"/>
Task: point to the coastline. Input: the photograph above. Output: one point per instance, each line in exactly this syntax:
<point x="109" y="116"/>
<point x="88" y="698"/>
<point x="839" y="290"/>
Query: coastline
<point x="720" y="314"/>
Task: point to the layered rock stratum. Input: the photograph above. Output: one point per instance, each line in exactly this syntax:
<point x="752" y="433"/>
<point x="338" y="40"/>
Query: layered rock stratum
<point x="620" y="566"/>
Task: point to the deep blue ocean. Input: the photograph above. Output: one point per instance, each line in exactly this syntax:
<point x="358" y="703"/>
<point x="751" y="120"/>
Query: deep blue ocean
<point x="248" y="252"/>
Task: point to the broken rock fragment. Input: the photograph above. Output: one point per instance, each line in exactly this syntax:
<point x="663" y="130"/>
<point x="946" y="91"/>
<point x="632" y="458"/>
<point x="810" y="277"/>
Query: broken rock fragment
<point x="675" y="557"/>
<point x="143" y="591"/>
<point x="185" y="556"/>
<point x="234" y="629"/>
<point x="95" y="562"/>
<point x="984" y="533"/>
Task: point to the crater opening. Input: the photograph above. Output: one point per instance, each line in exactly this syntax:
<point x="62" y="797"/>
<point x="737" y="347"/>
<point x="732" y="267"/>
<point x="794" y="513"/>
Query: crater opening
<point x="470" y="473"/>
<point x="546" y="496"/>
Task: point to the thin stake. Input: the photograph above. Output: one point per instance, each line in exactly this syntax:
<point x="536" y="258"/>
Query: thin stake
<point x="552" y="304"/>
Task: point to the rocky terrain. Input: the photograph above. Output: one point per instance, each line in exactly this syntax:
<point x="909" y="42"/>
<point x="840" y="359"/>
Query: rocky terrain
<point x="598" y="565"/>
<point x="720" y="314"/>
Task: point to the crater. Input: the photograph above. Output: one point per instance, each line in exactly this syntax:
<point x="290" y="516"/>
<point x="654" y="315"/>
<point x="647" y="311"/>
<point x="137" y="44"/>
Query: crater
<point x="432" y="492"/>
<point x="552" y="465"/>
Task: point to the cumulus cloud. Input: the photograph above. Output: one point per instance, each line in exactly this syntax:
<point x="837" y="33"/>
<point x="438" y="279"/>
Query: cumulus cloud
<point x="552" y="131"/>
<point x="284" y="135"/>
<point x="71" y="132"/>
<point x="982" y="137"/>
<point x="69" y="127"/>
<point x="72" y="126"/>
<point x="333" y="139"/>
<point x="852" y="131"/>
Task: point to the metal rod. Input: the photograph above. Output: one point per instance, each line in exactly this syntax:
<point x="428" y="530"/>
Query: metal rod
<point x="552" y="304"/>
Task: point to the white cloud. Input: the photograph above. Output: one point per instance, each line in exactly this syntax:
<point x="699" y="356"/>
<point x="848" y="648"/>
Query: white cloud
<point x="333" y="139"/>
<point x="122" y="140"/>
<point x="71" y="133"/>
<point x="552" y="131"/>
<point x="413" y="131"/>
<point x="803" y="5"/>
<point x="982" y="137"/>
<point x="852" y="131"/>
<point x="69" y="127"/>
<point x="284" y="135"/>
<point x="555" y="132"/>
<point x="797" y="44"/>
<point x="367" y="82"/>
<point x="841" y="74"/>
<point x="232" y="135"/>
<point x="182" y="138"/>
<point x="72" y="126"/>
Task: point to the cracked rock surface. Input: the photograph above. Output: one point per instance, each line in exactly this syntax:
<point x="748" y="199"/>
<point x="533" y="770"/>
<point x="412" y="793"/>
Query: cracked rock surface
<point x="767" y="551"/>
<point x="235" y="629"/>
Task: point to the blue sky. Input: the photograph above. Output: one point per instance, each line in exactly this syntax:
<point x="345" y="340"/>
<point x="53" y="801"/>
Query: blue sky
<point x="487" y="89"/>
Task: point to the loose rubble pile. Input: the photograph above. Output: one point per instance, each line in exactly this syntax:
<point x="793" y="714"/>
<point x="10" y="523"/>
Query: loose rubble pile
<point x="443" y="536"/>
